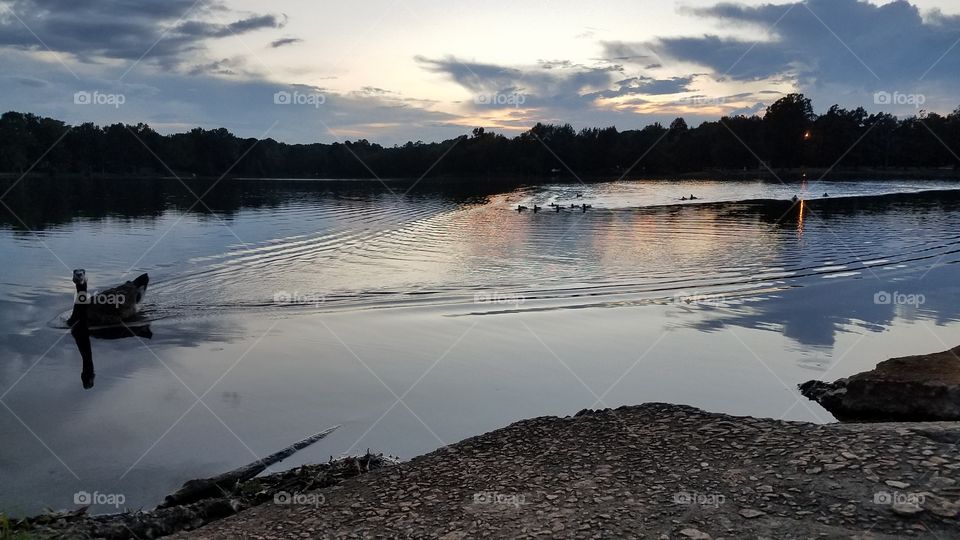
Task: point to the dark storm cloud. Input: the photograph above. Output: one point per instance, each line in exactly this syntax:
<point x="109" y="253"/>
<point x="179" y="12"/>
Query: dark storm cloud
<point x="124" y="29"/>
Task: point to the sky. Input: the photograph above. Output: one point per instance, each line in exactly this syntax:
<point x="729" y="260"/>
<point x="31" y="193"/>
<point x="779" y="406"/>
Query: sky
<point x="392" y="71"/>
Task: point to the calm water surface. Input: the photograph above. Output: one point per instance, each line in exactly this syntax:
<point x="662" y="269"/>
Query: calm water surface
<point x="417" y="315"/>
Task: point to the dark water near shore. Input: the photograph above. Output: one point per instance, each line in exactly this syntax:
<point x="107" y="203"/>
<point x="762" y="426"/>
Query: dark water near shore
<point x="417" y="315"/>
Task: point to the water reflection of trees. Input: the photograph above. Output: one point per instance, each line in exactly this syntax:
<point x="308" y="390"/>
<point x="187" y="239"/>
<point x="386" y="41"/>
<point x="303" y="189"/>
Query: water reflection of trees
<point x="39" y="203"/>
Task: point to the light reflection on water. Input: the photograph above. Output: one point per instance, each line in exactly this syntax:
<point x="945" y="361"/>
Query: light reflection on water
<point x="296" y="306"/>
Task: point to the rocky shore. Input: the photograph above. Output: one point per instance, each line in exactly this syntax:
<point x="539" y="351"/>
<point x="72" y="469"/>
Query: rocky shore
<point x="917" y="388"/>
<point x="649" y="471"/>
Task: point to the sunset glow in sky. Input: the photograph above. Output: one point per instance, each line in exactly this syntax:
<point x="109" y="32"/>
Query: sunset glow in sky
<point x="398" y="70"/>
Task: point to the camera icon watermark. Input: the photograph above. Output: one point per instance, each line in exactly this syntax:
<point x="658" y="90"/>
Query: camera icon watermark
<point x="896" y="98"/>
<point x="100" y="299"/>
<point x="96" y="97"/>
<point x="888" y="498"/>
<point x="700" y="299"/>
<point x="701" y="101"/>
<point x="286" y="498"/>
<point x="313" y="99"/>
<point x="86" y="498"/>
<point x="501" y="99"/>
<point x="498" y="298"/>
<point x="687" y="498"/>
<point x="885" y="298"/>
<point x="493" y="497"/>
<point x="298" y="298"/>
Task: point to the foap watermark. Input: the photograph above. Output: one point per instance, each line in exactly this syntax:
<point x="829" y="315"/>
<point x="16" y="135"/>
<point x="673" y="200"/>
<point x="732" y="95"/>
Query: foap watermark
<point x="895" y="298"/>
<point x="298" y="298"/>
<point x="99" y="299"/>
<point x="498" y="298"/>
<point x="501" y="99"/>
<point x="897" y="98"/>
<point x="86" y="498"/>
<point x="313" y="99"/>
<point x="700" y="299"/>
<point x="889" y="498"/>
<point x="97" y="97"/>
<point x="494" y="497"/>
<point x="688" y="498"/>
<point x="701" y="101"/>
<point x="300" y="499"/>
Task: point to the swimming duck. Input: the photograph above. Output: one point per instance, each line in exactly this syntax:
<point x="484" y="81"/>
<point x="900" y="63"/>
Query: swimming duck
<point x="692" y="198"/>
<point x="110" y="306"/>
<point x="795" y="198"/>
<point x="683" y="198"/>
<point x="521" y="208"/>
<point x="826" y="194"/>
<point x="536" y="208"/>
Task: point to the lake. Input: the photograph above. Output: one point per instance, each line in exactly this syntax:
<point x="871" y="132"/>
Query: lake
<point x="417" y="314"/>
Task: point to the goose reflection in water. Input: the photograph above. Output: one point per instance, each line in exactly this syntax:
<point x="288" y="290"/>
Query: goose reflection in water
<point x="82" y="333"/>
<point x="81" y="319"/>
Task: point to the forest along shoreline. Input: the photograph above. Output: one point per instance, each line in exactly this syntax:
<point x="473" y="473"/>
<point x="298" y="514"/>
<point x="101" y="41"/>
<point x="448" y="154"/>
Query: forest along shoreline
<point x="760" y="173"/>
<point x="652" y="469"/>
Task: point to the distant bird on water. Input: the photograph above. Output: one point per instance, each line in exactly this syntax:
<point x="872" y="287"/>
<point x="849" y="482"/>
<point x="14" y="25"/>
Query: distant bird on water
<point x="521" y="208"/>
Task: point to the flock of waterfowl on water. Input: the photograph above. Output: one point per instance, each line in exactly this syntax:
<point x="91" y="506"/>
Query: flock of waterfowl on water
<point x="583" y="207"/>
<point x="556" y="207"/>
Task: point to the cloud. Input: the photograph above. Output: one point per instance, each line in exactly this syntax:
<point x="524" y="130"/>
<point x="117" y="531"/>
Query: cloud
<point x="552" y="83"/>
<point x="177" y="102"/>
<point x="648" y="86"/>
<point x="93" y="30"/>
<point x="284" y="41"/>
<point x="619" y="51"/>
<point x="202" y="29"/>
<point x="837" y="44"/>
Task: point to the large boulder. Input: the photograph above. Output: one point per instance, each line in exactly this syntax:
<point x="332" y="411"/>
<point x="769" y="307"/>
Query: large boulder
<point x="912" y="388"/>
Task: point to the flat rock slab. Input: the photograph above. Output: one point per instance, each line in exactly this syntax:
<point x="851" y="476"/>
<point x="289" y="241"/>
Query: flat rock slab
<point x="912" y="388"/>
<point x="650" y="471"/>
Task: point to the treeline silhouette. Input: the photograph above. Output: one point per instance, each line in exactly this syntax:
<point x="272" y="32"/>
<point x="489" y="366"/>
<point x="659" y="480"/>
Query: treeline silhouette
<point x="788" y="135"/>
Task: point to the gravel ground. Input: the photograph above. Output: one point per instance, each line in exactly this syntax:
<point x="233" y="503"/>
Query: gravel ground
<point x="649" y="471"/>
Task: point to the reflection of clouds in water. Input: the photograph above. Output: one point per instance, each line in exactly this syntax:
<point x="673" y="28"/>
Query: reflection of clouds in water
<point x="813" y="314"/>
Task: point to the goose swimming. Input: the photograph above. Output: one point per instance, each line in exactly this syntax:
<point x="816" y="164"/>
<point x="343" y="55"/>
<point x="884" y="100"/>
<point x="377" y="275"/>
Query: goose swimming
<point x="110" y="306"/>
